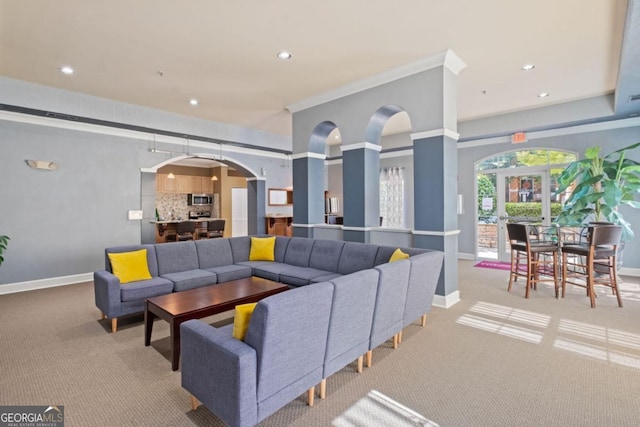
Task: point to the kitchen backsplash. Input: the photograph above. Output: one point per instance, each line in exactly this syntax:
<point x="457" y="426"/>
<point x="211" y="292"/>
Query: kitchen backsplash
<point x="174" y="206"/>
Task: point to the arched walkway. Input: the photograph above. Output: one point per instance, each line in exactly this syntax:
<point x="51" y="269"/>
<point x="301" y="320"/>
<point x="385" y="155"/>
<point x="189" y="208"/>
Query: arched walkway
<point x="256" y="192"/>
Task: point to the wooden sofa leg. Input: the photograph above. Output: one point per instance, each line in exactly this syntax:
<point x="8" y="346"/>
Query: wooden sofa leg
<point x="114" y="325"/>
<point x="194" y="403"/>
<point x="323" y="388"/>
<point x="102" y="316"/>
<point x="395" y="341"/>
<point x="423" y="320"/>
<point x="399" y="337"/>
<point x="369" y="357"/>
<point x="310" y="394"/>
<point x="360" y="360"/>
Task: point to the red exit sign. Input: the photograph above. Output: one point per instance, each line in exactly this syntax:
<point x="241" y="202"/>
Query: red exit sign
<point x="518" y="138"/>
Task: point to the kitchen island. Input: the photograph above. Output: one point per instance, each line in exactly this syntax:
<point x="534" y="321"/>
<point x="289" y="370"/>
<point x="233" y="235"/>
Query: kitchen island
<point x="164" y="226"/>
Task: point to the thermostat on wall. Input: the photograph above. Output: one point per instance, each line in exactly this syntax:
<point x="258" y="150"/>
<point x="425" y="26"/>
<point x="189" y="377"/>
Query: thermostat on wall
<point x="135" y="214"/>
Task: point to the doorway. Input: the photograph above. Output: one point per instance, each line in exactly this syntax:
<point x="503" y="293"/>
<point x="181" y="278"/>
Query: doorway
<point x="239" y="218"/>
<point x="517" y="186"/>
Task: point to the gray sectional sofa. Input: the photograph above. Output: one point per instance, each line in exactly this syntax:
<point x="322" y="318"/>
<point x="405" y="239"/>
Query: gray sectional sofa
<point x="345" y="300"/>
<point x="185" y="265"/>
<point x="299" y="338"/>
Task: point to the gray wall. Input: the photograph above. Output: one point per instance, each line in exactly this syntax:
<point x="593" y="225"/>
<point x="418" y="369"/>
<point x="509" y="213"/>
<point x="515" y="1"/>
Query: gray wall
<point x="421" y="95"/>
<point x="60" y="221"/>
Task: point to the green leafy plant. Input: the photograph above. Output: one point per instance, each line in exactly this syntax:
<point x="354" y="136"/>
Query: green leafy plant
<point x="4" y="240"/>
<point x="602" y="184"/>
<point x="486" y="188"/>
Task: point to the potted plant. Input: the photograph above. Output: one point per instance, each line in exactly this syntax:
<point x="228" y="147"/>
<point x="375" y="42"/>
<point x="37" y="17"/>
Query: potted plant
<point x="4" y="240"/>
<point x="602" y="182"/>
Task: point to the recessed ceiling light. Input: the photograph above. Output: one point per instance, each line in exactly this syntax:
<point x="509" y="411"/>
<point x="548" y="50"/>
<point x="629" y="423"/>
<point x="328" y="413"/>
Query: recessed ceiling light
<point x="284" y="55"/>
<point x="66" y="69"/>
<point x="528" y="67"/>
<point x="193" y="101"/>
<point x="543" y="95"/>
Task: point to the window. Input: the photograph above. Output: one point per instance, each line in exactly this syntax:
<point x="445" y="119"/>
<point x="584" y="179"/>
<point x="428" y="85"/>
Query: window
<point x="514" y="159"/>
<point x="392" y="198"/>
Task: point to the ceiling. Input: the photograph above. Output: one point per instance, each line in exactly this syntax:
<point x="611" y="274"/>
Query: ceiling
<point x="161" y="53"/>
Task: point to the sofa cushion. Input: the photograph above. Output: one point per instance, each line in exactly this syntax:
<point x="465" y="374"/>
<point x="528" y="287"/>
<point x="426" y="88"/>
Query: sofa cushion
<point x="299" y="251"/>
<point x="213" y="253"/>
<point x="354" y="298"/>
<point x="152" y="261"/>
<point x="287" y="357"/>
<point x="326" y="278"/>
<point x="153" y="287"/>
<point x="176" y="257"/>
<point x="282" y="242"/>
<point x="270" y="270"/>
<point x="241" y="319"/>
<point x="226" y="273"/>
<point x="130" y="266"/>
<point x="240" y="248"/>
<point x="356" y="257"/>
<point x="253" y="265"/>
<point x="183" y="280"/>
<point x="390" y="301"/>
<point x="423" y="280"/>
<point x="262" y="248"/>
<point x="300" y="276"/>
<point x="325" y="255"/>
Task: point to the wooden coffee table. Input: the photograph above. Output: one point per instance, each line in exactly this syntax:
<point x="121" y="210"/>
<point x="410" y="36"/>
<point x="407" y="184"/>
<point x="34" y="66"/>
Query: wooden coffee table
<point x="197" y="303"/>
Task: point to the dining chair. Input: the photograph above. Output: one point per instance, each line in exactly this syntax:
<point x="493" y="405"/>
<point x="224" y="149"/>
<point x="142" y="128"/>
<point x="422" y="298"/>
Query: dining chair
<point x="534" y="259"/>
<point x="184" y="231"/>
<point x="594" y="262"/>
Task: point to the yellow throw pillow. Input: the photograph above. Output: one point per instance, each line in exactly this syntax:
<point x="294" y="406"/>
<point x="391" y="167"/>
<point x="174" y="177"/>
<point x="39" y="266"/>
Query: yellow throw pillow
<point x="398" y="255"/>
<point x="241" y="320"/>
<point x="262" y="249"/>
<point x="130" y="266"/>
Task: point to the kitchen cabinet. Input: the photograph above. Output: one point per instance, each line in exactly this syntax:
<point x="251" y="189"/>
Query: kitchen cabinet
<point x="184" y="184"/>
<point x="166" y="184"/>
<point x="207" y="185"/>
<point x="188" y="184"/>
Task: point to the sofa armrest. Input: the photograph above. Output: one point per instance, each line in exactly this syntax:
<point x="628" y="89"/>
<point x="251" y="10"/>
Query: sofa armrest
<point x="220" y="371"/>
<point x="106" y="288"/>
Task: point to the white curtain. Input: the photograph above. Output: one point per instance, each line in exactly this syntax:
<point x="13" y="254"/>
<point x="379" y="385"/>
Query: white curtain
<point x="392" y="197"/>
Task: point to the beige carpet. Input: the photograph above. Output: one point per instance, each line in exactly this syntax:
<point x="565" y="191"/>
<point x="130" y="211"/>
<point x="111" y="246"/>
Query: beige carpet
<point x="493" y="359"/>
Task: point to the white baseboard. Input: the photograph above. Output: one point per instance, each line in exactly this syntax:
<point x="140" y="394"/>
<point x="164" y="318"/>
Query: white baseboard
<point x="462" y="255"/>
<point x="629" y="272"/>
<point x="51" y="282"/>
<point x="447" y="300"/>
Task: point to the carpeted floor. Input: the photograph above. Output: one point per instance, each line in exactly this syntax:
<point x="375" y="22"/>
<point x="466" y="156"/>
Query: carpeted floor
<point x="493" y="359"/>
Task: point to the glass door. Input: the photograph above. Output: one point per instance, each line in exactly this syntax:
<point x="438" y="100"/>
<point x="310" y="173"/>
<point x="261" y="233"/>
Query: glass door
<point x="521" y="198"/>
<point x="518" y="186"/>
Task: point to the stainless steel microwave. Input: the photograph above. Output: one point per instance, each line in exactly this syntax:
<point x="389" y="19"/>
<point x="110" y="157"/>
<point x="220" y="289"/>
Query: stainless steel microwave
<point x="199" y="199"/>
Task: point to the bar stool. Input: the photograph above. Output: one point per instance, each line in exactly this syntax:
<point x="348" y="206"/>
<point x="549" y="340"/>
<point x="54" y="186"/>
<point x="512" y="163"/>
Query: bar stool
<point x="524" y="249"/>
<point x="184" y="231"/>
<point x="215" y="228"/>
<point x="593" y="262"/>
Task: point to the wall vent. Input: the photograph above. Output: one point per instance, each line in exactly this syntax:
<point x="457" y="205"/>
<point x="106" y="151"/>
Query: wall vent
<point x="634" y="98"/>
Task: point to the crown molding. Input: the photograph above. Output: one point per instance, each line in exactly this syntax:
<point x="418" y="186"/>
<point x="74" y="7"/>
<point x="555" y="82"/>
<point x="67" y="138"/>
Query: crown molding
<point x="309" y="154"/>
<point x="361" y="145"/>
<point x="445" y="58"/>
<point x="435" y="132"/>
